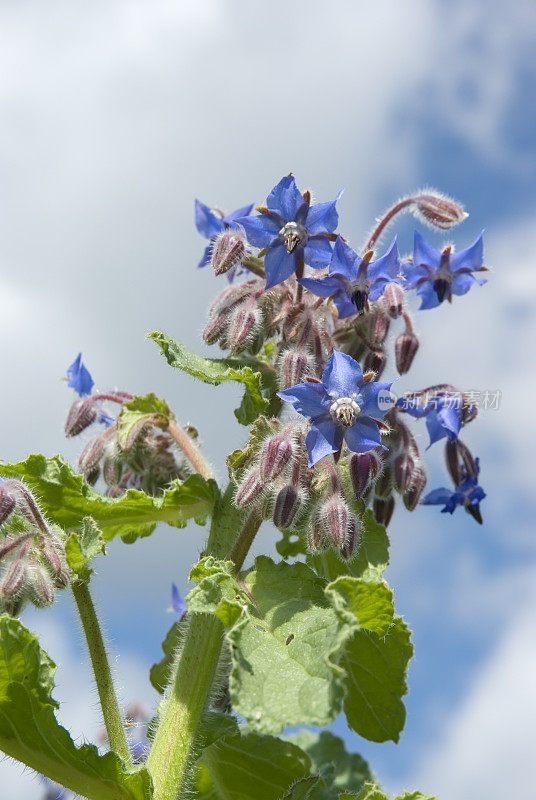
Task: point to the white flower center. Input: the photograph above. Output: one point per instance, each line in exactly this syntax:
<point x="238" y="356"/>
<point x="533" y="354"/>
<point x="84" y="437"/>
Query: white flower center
<point x="293" y="235"/>
<point x="344" y="411"/>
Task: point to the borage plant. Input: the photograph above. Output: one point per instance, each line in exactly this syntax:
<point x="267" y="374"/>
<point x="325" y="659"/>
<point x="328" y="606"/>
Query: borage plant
<point x="287" y="642"/>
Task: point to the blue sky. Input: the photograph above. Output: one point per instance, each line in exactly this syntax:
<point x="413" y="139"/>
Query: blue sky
<point x="115" y="118"/>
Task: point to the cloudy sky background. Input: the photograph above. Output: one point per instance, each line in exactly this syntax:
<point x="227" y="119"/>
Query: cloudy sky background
<point x="115" y="115"/>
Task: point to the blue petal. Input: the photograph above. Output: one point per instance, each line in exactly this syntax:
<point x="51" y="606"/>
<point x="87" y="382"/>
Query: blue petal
<point x="378" y="288"/>
<point x="345" y="305"/>
<point x="345" y="260"/>
<point x="285" y="198"/>
<point x="437" y="497"/>
<point x="451" y="419"/>
<point x="323" y="217"/>
<point x="412" y="406"/>
<point x="428" y="295"/>
<point x="322" y="287"/>
<point x="363" y="436"/>
<point x="79" y="377"/>
<point x="309" y="399"/>
<point x="323" y="438"/>
<point x="370" y="394"/>
<point x="412" y="274"/>
<point x="424" y="253"/>
<point x="177" y="601"/>
<point x="245" y="211"/>
<point x="342" y="376"/>
<point x="278" y="264"/>
<point x="205" y="258"/>
<point x="470" y="258"/>
<point x="206" y="221"/>
<point x="260" y="230"/>
<point x="317" y="252"/>
<point x="388" y="266"/>
<point x="476" y="495"/>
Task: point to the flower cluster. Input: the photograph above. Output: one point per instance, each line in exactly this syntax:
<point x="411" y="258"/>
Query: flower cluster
<point x="320" y="315"/>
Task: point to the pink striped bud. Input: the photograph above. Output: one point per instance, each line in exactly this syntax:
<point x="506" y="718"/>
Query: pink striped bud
<point x="383" y="510"/>
<point x="7" y="505"/>
<point x="294" y="367"/>
<point x="350" y="547"/>
<point x="317" y="541"/>
<point x="81" y="415"/>
<point x="336" y="519"/>
<point x="243" y="325"/>
<point x="363" y="469"/>
<point x="230" y="297"/>
<point x="249" y="489"/>
<point x="439" y="211"/>
<point x="91" y="454"/>
<point x="14" y="577"/>
<point x="384" y="484"/>
<point x="275" y="454"/>
<point x="393" y="299"/>
<point x="215" y="327"/>
<point x="43" y="586"/>
<point x="378" y="327"/>
<point x="228" y="250"/>
<point x="51" y="554"/>
<point x="406" y="346"/>
<point x="413" y="495"/>
<point x="112" y="470"/>
<point x="115" y="491"/>
<point x="287" y="505"/>
<point x="404" y="467"/>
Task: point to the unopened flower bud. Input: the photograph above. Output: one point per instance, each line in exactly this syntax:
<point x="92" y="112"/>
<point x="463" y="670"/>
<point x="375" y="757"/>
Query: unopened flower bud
<point x="14" y="577"/>
<point x="275" y="454"/>
<point x="242" y="327"/>
<point x="115" y="491"/>
<point x="378" y="327"/>
<point x="112" y="469"/>
<point x="384" y="484"/>
<point x="91" y="454"/>
<point x="317" y="540"/>
<point x="439" y="211"/>
<point x="460" y="461"/>
<point x="336" y="519"/>
<point x="350" y="547"/>
<point x="406" y="346"/>
<point x="51" y="552"/>
<point x="374" y="362"/>
<point x="393" y="299"/>
<point x="228" y="250"/>
<point x="383" y="510"/>
<point x="363" y="468"/>
<point x="81" y="415"/>
<point x="413" y="495"/>
<point x="287" y="505"/>
<point x="295" y="366"/>
<point x="43" y="586"/>
<point x="249" y="489"/>
<point x="404" y="466"/>
<point x="7" y="505"/>
<point x="215" y="327"/>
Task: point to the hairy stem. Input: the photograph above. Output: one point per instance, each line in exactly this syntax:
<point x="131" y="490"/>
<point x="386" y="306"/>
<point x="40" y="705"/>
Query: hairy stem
<point x="174" y="743"/>
<point x="102" y="672"/>
<point x="185" y="443"/>
<point x="386" y="219"/>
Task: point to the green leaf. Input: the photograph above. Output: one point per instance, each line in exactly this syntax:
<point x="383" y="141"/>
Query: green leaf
<point x="217" y="592"/>
<point x="375" y="681"/>
<point x="350" y="770"/>
<point x="369" y="602"/>
<point x="313" y="787"/>
<point x="252" y="373"/>
<point x="250" y="767"/>
<point x="370" y="562"/>
<point x="82" y="547"/>
<point x="372" y="792"/>
<point x="66" y="499"/>
<point x="30" y="733"/>
<point x="160" y="673"/>
<point x="139" y="412"/>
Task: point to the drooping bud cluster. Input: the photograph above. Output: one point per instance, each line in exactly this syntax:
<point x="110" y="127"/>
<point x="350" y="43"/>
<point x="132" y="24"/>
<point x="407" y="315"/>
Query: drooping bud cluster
<point x="32" y="552"/>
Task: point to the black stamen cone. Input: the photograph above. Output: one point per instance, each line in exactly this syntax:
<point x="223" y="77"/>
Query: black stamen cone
<point x="474" y="511"/>
<point x="441" y="288"/>
<point x="360" y="299"/>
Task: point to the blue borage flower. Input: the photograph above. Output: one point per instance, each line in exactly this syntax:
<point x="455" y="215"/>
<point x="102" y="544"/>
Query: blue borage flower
<point x="468" y="494"/>
<point x="292" y="230"/>
<point x="437" y="276"/>
<point x="210" y="224"/>
<point x="343" y="407"/>
<point x="178" y="604"/>
<point x="443" y="413"/>
<point x="353" y="281"/>
<point x="79" y="378"/>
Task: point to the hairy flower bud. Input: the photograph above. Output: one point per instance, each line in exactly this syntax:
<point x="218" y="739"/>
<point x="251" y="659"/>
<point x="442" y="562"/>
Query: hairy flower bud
<point x="295" y="366"/>
<point x="374" y="362"/>
<point x="385" y="482"/>
<point x="275" y="454"/>
<point x="81" y="415"/>
<point x="112" y="469"/>
<point x="14" y="577"/>
<point x="215" y="327"/>
<point x="404" y="466"/>
<point x="249" y="489"/>
<point x="350" y="547"/>
<point x="7" y="505"/>
<point x="412" y="496"/>
<point x="378" y="327"/>
<point x="243" y="325"/>
<point x="287" y="505"/>
<point x="43" y="586"/>
<point x="439" y="211"/>
<point x="336" y="519"/>
<point x="91" y="454"/>
<point x="317" y="540"/>
<point x="383" y="510"/>
<point x="228" y="250"/>
<point x="393" y="299"/>
<point x="406" y="346"/>
<point x="363" y="468"/>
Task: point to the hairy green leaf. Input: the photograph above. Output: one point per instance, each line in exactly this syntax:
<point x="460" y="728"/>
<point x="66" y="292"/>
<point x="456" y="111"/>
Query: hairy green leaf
<point x="369" y="602"/>
<point x="375" y="681"/>
<point x="372" y="792"/>
<point x="255" y="375"/>
<point x="81" y="548"/>
<point x="348" y="770"/>
<point x="66" y="499"/>
<point x="139" y="412"/>
<point x="160" y="673"/>
<point x="30" y="733"/>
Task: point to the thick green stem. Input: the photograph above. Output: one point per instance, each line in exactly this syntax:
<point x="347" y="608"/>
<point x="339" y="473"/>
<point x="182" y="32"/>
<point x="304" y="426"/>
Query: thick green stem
<point x="174" y="744"/>
<point x="102" y="672"/>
